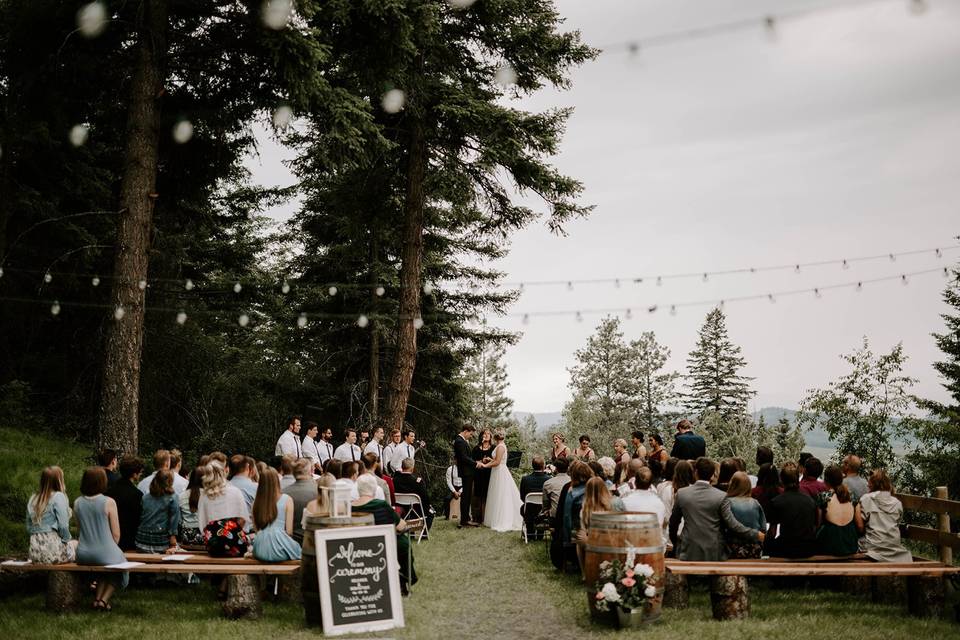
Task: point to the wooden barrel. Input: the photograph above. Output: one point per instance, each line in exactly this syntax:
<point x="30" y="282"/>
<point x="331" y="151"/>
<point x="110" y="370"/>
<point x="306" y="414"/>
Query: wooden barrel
<point x="610" y="534"/>
<point x="309" y="585"/>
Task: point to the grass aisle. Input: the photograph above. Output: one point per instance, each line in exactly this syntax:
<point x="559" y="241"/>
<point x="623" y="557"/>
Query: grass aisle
<point x="478" y="584"/>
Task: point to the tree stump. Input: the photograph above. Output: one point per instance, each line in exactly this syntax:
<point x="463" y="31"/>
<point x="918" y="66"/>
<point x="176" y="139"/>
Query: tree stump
<point x="856" y="584"/>
<point x="889" y="590"/>
<point x="676" y="594"/>
<point x="65" y="590"/>
<point x="926" y="596"/>
<point x="243" y="597"/>
<point x="288" y="588"/>
<point x="730" y="597"/>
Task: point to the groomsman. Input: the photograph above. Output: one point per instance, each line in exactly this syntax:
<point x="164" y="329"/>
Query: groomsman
<point x="289" y="444"/>
<point x="325" y="446"/>
<point x="407" y="449"/>
<point x="375" y="446"/>
<point x="310" y="448"/>
<point x="349" y="451"/>
<point x="389" y="451"/>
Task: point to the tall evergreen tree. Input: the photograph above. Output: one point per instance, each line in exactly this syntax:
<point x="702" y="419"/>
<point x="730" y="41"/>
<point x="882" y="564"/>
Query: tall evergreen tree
<point x="714" y="380"/>
<point x="655" y="388"/>
<point x="485" y="380"/>
<point x="602" y="378"/>
<point x="937" y="448"/>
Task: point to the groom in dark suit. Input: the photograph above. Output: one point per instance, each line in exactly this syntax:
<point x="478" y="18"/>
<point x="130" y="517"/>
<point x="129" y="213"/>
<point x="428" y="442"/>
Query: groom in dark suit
<point x="466" y="466"/>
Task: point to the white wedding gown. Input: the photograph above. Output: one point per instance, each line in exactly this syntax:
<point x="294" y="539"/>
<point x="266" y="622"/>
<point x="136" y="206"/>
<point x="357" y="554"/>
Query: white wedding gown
<point x="503" y="498"/>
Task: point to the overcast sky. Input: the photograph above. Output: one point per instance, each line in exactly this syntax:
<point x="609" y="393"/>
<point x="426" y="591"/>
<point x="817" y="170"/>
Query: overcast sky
<point x="836" y="136"/>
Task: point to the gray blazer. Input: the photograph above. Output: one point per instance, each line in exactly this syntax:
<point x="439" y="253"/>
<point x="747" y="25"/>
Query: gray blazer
<point x="702" y="508"/>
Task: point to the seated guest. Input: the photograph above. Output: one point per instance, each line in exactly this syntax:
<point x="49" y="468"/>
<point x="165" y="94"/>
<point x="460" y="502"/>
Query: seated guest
<point x="334" y="467"/>
<point x="303" y="491"/>
<point x="664" y="491"/>
<point x="567" y="519"/>
<point x="596" y="498"/>
<point x="159" y="516"/>
<point x="349" y="472"/>
<point x="728" y="467"/>
<point x="128" y="499"/>
<point x="598" y="471"/>
<point x="643" y="499"/>
<point x="176" y="466"/>
<point x="273" y="518"/>
<point x="608" y="468"/>
<point x="793" y="520"/>
<point x="656" y="471"/>
<point x="852" y="478"/>
<point x="839" y="517"/>
<point x="881" y="513"/>
<point x="553" y="486"/>
<point x="628" y="477"/>
<point x="321" y="505"/>
<point x="764" y="456"/>
<point x="287" y="477"/>
<point x="703" y="508"/>
<point x="768" y="487"/>
<point x="749" y="513"/>
<point x="48" y="521"/>
<point x="368" y="466"/>
<point x="811" y="484"/>
<point x="802" y="459"/>
<point x="190" y="533"/>
<point x="99" y="531"/>
<point x="241" y="473"/>
<point x="107" y="459"/>
<point x="161" y="462"/>
<point x="405" y="482"/>
<point x="223" y="514"/>
<point x="584" y="452"/>
<point x="383" y="513"/>
<point x="533" y="483"/>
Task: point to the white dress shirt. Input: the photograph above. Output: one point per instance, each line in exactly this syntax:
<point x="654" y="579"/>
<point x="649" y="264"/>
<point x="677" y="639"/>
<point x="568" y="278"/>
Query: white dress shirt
<point x="311" y="450"/>
<point x="375" y="448"/>
<point x="645" y="501"/>
<point x="288" y="444"/>
<point x="387" y="460"/>
<point x="344" y="482"/>
<point x="454" y="483"/>
<point x="324" y="450"/>
<point x="401" y="453"/>
<point x="348" y="453"/>
<point x="180" y="483"/>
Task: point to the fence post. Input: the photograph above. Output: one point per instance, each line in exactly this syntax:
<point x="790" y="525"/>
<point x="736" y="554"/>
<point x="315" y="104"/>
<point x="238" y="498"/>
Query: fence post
<point x="946" y="552"/>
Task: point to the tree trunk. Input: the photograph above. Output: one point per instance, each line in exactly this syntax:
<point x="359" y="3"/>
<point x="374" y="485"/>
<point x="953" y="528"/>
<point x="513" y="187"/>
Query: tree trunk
<point x="406" y="359"/>
<point x="374" y="384"/>
<point x="729" y="597"/>
<point x="120" y="395"/>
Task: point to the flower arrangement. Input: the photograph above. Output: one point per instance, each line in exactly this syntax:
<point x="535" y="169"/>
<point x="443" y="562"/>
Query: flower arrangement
<point x="623" y="585"/>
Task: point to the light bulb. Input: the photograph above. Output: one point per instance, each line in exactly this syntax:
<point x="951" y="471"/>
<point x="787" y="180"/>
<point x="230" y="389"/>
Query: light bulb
<point x="181" y="317"/>
<point x="237" y="288"/>
<point x="119" y="312"/>
<point x="363" y="321"/>
<point x="55" y="308"/>
<point x="243" y="320"/>
<point x="302" y="320"/>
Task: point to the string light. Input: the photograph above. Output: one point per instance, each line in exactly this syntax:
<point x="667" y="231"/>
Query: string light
<point x="673" y="309"/>
<point x="569" y="286"/>
<point x="55" y="308"/>
<point x="380" y="291"/>
<point x="243" y="320"/>
<point x="363" y="321"/>
<point x="771" y="298"/>
<point x="181" y="317"/>
<point x="142" y="285"/>
<point x="816" y="293"/>
<point x="939" y="253"/>
<point x="48" y="277"/>
<point x="903" y="279"/>
<point x="183" y="132"/>
<point x="652" y="309"/>
<point x="95" y="281"/>
<point x="119" y="312"/>
<point x="92" y="19"/>
<point x="629" y="314"/>
<point x="393" y="100"/>
<point x="188" y="285"/>
<point x="237" y="288"/>
<point x="285" y="287"/>
<point x="579" y="317"/>
<point x="427" y="288"/>
<point x="78" y="134"/>
<point x="846" y="265"/>
<point x="302" y="320"/>
<point x="276" y="14"/>
<point x="418" y="323"/>
<point x="526" y="318"/>
<point x="332" y="291"/>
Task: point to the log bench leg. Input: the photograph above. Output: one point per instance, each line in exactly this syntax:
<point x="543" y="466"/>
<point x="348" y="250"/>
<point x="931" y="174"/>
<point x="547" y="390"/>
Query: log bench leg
<point x="926" y="596"/>
<point x="889" y="590"/>
<point x="729" y="597"/>
<point x="676" y="594"/>
<point x="287" y="588"/>
<point x="243" y="597"/>
<point x="65" y="590"/>
<point x="856" y="584"/>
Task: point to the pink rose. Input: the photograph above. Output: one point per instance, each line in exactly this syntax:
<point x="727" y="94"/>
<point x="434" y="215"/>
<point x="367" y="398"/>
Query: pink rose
<point x="599" y="595"/>
<point x="628" y="582"/>
<point x="629" y="573"/>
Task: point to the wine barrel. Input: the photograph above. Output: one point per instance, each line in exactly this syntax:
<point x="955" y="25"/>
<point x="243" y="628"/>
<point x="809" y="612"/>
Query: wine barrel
<point x="610" y="534"/>
<point x="309" y="584"/>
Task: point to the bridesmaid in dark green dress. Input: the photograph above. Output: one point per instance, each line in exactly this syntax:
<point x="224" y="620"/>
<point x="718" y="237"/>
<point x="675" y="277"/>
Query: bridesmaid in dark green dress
<point x="839" y="516"/>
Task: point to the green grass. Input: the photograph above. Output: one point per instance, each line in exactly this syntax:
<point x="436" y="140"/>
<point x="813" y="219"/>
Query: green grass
<point x="479" y="584"/>
<point x="23" y="454"/>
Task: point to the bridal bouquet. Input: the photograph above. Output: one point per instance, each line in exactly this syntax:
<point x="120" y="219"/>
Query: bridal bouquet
<point x="623" y="585"/>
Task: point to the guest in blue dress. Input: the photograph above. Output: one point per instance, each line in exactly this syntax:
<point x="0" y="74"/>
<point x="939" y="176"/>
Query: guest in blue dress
<point x="159" y="515"/>
<point x="273" y="518"/>
<point x="99" y="530"/>
<point x="48" y="521"/>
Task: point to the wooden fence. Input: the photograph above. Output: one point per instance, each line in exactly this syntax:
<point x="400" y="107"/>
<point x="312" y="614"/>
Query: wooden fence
<point x="942" y="537"/>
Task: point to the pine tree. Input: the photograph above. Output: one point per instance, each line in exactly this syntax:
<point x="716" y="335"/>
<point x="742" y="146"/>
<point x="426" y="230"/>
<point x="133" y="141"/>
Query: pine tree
<point x="485" y="380"/>
<point x="788" y="441"/>
<point x="861" y="410"/>
<point x="655" y="390"/>
<point x="937" y="448"/>
<point x="713" y="371"/>
<point x="602" y="378"/>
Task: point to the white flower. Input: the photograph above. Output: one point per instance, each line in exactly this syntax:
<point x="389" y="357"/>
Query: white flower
<point x="631" y="555"/>
<point x="609" y="592"/>
<point x="644" y="570"/>
<point x="650" y="591"/>
<point x="604" y="565"/>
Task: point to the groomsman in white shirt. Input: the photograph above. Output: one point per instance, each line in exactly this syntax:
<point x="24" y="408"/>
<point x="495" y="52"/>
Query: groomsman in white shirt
<point x="325" y="446"/>
<point x="375" y="446"/>
<point x="389" y="451"/>
<point x="310" y="448"/>
<point x="407" y="449"/>
<point x="289" y="444"/>
<point x="349" y="451"/>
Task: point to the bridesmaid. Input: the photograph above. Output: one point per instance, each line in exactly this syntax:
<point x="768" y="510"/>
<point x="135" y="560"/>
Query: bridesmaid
<point x="99" y="530"/>
<point x="483" y="452"/>
<point x="584" y="452"/>
<point x="560" y="449"/>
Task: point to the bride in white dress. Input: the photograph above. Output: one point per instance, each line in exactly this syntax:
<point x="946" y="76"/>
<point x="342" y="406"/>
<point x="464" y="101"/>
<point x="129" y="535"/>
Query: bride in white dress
<point x="503" y="497"/>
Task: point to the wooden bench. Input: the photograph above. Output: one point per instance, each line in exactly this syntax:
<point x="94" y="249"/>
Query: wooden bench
<point x="729" y="595"/>
<point x="66" y="583"/>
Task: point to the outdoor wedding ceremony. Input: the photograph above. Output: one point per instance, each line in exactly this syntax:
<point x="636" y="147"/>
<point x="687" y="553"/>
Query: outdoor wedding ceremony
<point x="537" y="319"/>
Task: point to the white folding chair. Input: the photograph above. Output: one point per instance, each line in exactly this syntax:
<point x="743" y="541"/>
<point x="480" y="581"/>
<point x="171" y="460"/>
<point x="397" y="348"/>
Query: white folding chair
<point x="531" y="498"/>
<point x="414" y="507"/>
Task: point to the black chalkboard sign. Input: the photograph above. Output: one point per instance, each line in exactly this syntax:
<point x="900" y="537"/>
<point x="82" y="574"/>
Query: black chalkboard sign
<point x="359" y="579"/>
